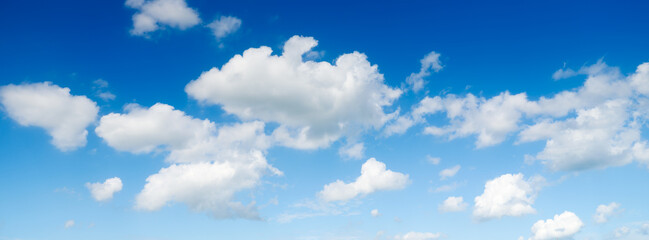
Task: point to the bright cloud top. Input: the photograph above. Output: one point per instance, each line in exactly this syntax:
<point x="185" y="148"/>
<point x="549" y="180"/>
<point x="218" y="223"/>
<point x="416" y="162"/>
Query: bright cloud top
<point x="507" y="195"/>
<point x="374" y="177"/>
<point x="563" y="226"/>
<point x="105" y="191"/>
<point x="315" y="103"/>
<point x="154" y="14"/>
<point x="208" y="164"/>
<point x="64" y="116"/>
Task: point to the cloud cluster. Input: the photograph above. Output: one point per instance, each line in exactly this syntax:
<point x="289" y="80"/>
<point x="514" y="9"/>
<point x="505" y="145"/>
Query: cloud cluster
<point x="596" y="125"/>
<point x="374" y="177"/>
<point x="155" y="14"/>
<point x="425" y="107"/>
<point x="65" y="117"/>
<point x="105" y="191"/>
<point x="507" y="195"/>
<point x="562" y="226"/>
<point x="314" y="103"/>
<point x="208" y="165"/>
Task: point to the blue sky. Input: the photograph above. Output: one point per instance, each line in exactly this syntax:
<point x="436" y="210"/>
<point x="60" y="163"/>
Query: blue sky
<point x="412" y="120"/>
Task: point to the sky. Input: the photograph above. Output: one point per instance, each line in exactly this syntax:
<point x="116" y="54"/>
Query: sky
<point x="278" y="120"/>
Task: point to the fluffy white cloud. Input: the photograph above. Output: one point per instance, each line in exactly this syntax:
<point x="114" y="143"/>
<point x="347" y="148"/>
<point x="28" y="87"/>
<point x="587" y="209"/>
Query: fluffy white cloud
<point x="154" y="14"/>
<point x="69" y="224"/>
<point x="603" y="212"/>
<point x="596" y="125"/>
<point x="224" y="26"/>
<point x="352" y="151"/>
<point x="598" y="137"/>
<point x="449" y="172"/>
<point x="490" y="119"/>
<point x="507" y="195"/>
<point x="205" y="186"/>
<point x="64" y="116"/>
<point x="141" y="130"/>
<point x="209" y="165"/>
<point x="563" y="226"/>
<point x="418" y="236"/>
<point x="375" y="213"/>
<point x="453" y="204"/>
<point x="315" y="103"/>
<point x="374" y="177"/>
<point x="105" y="191"/>
<point x="429" y="62"/>
<point x="640" y="79"/>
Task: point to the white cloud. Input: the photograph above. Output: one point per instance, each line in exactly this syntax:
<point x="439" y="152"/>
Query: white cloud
<point x="154" y="14"/>
<point x="315" y="103"/>
<point x="507" y="195"/>
<point x="206" y="186"/>
<point x="433" y="160"/>
<point x="598" y="137"/>
<point x="640" y="79"/>
<point x="352" y="151"/>
<point x="453" y="204"/>
<point x="105" y="191"/>
<point x="490" y="119"/>
<point x="142" y="130"/>
<point x="69" y="224"/>
<point x="374" y="177"/>
<point x="224" y="26"/>
<point x="622" y="231"/>
<point x="101" y="92"/>
<point x="375" y="213"/>
<point x="563" y="226"/>
<point x="64" y="116"/>
<point x="209" y="165"/>
<point x="446" y="188"/>
<point x="596" y="125"/>
<point x="106" y="96"/>
<point x="645" y="229"/>
<point x="425" y="107"/>
<point x="418" y="236"/>
<point x="564" y="73"/>
<point x="429" y="62"/>
<point x="449" y="172"/>
<point x="603" y="212"/>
